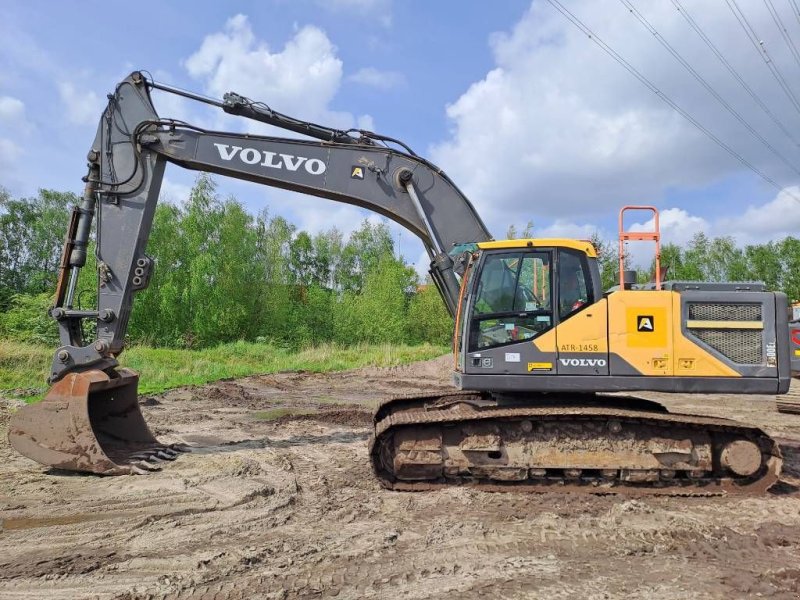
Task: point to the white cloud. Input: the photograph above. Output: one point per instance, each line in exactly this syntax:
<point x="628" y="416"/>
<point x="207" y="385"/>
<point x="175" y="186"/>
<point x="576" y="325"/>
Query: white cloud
<point x="557" y="128"/>
<point x="773" y="220"/>
<point x="9" y="153"/>
<point x="366" y="122"/>
<point x="677" y="226"/>
<point x="11" y="109"/>
<point x="174" y="192"/>
<point x="561" y="228"/>
<point x="84" y="107"/>
<point x="299" y="80"/>
<point x="382" y="80"/>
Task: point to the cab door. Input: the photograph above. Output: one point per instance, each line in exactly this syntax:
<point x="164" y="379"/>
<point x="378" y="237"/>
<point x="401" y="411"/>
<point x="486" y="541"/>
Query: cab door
<point x="511" y="306"/>
<point x="582" y="320"/>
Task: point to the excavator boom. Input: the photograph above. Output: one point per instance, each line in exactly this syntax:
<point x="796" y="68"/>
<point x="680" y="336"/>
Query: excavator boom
<point x="90" y="420"/>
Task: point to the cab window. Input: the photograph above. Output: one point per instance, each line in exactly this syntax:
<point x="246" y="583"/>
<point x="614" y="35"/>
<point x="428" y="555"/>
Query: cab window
<point x="513" y="300"/>
<point x="573" y="290"/>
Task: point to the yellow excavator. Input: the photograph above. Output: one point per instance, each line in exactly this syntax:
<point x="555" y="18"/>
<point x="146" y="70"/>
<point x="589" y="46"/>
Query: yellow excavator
<point x="536" y="342"/>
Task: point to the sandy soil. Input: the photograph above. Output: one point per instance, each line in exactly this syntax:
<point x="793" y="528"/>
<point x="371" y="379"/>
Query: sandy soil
<point x="288" y="508"/>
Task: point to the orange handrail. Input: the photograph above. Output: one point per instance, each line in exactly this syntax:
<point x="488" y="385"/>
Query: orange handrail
<point x="636" y="236"/>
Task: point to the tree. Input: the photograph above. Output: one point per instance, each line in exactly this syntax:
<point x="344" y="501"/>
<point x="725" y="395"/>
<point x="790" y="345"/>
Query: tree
<point x="763" y="263"/>
<point x="607" y="260"/>
<point x="301" y="259"/>
<point x="367" y="246"/>
<point x="159" y="316"/>
<point x="527" y="232"/>
<point x="378" y="313"/>
<point x="328" y="247"/>
<point x="428" y="319"/>
<point x="789" y="253"/>
<point x="32" y="234"/>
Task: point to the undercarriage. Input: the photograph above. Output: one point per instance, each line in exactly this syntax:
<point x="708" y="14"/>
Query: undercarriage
<point x="583" y="442"/>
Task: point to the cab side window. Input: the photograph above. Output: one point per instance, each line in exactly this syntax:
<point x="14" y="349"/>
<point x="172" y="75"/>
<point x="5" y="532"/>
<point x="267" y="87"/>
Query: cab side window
<point x="573" y="290"/>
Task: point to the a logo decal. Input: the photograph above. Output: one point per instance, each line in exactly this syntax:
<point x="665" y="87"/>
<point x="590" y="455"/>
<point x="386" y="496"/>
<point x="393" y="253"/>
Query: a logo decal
<point x="582" y="362"/>
<point x="357" y="172"/>
<point x="271" y="160"/>
<point x="645" y="323"/>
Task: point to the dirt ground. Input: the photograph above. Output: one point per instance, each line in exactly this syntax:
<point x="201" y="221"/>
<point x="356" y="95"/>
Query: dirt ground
<point x="286" y="507"/>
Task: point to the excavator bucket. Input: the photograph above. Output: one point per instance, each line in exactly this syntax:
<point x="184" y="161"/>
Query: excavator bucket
<point x="90" y="422"/>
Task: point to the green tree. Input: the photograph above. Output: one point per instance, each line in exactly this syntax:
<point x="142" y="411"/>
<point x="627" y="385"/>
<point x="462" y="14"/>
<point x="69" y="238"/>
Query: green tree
<point x="32" y="234"/>
<point x="367" y="246"/>
<point x="607" y="260"/>
<point x="378" y="313"/>
<point x="159" y="317"/>
<point x="27" y="320"/>
<point x="428" y="319"/>
<point x="764" y="263"/>
<point x="789" y="252"/>
<point x="328" y="247"/>
<point x="301" y="259"/>
<point x="527" y="231"/>
<point x="274" y="316"/>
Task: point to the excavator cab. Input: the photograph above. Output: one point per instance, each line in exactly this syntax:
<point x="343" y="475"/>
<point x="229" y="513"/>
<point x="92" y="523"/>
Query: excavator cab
<point x="513" y="293"/>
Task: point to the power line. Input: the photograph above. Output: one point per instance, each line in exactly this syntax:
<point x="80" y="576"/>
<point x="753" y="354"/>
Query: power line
<point x="762" y="51"/>
<point x="666" y="99"/>
<point x="641" y="18"/>
<point x="784" y="34"/>
<point x="756" y="98"/>
<point x="795" y="9"/>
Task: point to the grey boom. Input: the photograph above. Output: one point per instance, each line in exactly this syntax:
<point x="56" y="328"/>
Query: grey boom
<point x="126" y="168"/>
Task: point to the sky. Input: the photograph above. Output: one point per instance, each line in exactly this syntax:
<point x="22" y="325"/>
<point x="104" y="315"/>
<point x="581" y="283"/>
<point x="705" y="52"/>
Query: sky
<point x="527" y="114"/>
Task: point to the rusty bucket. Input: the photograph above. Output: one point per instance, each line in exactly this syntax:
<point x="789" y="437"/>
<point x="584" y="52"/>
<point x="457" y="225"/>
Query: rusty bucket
<point x="90" y="422"/>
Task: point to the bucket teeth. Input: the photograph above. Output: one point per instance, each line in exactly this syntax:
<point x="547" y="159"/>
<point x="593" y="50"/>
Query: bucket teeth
<point x="91" y="422"/>
<point x="155" y="455"/>
<point x="179" y="448"/>
<point x="145" y="467"/>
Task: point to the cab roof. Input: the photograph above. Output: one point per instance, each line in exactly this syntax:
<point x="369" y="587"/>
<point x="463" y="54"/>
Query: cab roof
<point x="581" y="245"/>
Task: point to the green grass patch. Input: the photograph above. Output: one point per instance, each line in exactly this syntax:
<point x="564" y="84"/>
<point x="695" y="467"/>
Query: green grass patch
<point x="24" y="367"/>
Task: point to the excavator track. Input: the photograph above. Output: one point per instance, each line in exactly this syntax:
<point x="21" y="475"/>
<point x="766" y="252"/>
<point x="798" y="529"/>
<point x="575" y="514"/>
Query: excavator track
<point x="597" y="445"/>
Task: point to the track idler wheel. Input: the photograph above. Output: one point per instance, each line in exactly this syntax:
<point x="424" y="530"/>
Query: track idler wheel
<point x="90" y="422"/>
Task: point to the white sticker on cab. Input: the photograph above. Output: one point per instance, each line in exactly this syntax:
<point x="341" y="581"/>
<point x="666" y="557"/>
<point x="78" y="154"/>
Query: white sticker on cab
<point x="512" y="356"/>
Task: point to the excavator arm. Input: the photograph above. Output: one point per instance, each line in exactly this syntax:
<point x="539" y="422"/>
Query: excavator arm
<point x="126" y="168"/>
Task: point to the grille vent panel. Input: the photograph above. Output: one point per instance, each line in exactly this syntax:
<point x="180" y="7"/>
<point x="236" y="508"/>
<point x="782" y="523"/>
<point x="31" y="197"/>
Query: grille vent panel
<point x="741" y="346"/>
<point x="724" y="312"/>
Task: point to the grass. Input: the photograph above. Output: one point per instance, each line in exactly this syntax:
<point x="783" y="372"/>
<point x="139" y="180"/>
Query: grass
<point x="24" y="367"/>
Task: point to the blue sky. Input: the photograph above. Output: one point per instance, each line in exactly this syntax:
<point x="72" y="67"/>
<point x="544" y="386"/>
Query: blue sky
<point x="528" y="116"/>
